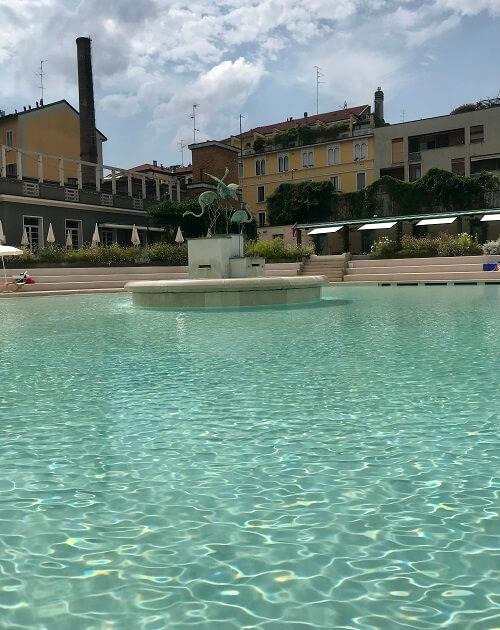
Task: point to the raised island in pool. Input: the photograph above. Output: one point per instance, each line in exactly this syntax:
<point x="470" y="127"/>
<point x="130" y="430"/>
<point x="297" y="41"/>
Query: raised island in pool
<point x="220" y="275"/>
<point x="222" y="292"/>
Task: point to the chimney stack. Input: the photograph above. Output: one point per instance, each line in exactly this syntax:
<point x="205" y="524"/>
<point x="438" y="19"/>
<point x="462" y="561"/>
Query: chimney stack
<point x="379" y="104"/>
<point x="88" y="140"/>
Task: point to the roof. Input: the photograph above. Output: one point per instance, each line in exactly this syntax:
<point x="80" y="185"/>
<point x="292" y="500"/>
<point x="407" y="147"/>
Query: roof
<point x="328" y="117"/>
<point x="46" y="106"/>
<point x="213" y="143"/>
<point x="166" y="170"/>
<point x="412" y="217"/>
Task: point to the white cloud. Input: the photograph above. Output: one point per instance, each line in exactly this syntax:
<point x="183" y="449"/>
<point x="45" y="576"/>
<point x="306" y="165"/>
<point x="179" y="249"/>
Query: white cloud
<point x="154" y="57"/>
<point x="470" y="7"/>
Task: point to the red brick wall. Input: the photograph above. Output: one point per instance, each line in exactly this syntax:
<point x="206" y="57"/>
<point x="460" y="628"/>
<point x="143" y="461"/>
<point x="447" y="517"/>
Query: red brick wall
<point x="214" y="160"/>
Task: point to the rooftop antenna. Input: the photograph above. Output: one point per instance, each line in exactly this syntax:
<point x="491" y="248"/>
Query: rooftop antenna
<point x="403" y="113"/>
<point x="318" y="82"/>
<point x="193" y="117"/>
<point x="181" y="146"/>
<point x="41" y="74"/>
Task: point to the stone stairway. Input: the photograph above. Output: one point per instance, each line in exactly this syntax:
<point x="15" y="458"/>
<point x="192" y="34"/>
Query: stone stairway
<point x="330" y="266"/>
<point x="68" y="280"/>
<point x="456" y="270"/>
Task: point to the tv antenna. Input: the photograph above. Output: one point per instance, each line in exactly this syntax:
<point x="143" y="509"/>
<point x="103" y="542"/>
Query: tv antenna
<point x="193" y="117"/>
<point x="318" y="83"/>
<point x="403" y="114"/>
<point x="41" y="75"/>
<point x="181" y="146"/>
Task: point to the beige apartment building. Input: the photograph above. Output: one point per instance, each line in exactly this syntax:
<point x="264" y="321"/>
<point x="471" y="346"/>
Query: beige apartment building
<point x="464" y="143"/>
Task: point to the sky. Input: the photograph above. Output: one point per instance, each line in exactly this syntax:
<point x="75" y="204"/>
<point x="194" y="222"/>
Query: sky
<point x="153" y="59"/>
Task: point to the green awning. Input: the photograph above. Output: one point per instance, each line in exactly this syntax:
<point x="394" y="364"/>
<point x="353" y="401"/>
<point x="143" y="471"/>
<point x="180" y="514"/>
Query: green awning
<point x="413" y="217"/>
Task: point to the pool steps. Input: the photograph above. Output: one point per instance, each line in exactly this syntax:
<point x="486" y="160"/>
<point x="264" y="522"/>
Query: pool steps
<point x="459" y="269"/>
<point x="67" y="280"/>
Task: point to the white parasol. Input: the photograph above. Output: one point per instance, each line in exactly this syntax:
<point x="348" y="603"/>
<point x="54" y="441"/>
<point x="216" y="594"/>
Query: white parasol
<point x="135" y="240"/>
<point x="178" y="237"/>
<point x="24" y="239"/>
<point x="2" y="235"/>
<point x="50" y="235"/>
<point x="96" y="239"/>
<point x="6" y="250"/>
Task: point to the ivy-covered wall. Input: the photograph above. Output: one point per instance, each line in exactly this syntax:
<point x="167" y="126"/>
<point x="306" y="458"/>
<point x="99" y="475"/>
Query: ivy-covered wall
<point x="437" y="191"/>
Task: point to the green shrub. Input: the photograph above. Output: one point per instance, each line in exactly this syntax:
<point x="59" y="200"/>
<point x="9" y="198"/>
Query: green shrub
<point x="384" y="248"/>
<point x="50" y="254"/>
<point x="413" y="247"/>
<point x="440" y="245"/>
<point x="277" y="249"/>
<point x="468" y="245"/>
<point x="492" y="247"/>
<point x="167" y="254"/>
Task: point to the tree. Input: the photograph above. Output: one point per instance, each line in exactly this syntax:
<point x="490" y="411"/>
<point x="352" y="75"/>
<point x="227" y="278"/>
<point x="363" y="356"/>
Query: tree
<point x="169" y="215"/>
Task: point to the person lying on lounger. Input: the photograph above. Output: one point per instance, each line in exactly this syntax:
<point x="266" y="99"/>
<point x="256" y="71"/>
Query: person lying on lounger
<point x="22" y="279"/>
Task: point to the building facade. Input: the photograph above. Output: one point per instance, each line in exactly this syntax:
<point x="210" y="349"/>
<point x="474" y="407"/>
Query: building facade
<point x="52" y="130"/>
<point x="464" y="143"/>
<point x="336" y="146"/>
<point x="115" y="202"/>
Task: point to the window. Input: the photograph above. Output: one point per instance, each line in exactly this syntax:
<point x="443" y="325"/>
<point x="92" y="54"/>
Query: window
<point x="335" y="179"/>
<point x="458" y="166"/>
<point x="73" y="229"/>
<point x="260" y="167"/>
<point x="397" y="151"/>
<point x="360" y="181"/>
<point x="415" y="172"/>
<point x="488" y="164"/>
<point x="11" y="170"/>
<point x="9" y="138"/>
<point x="439" y="140"/>
<point x="307" y="159"/>
<point x="283" y="163"/>
<point x="477" y="133"/>
<point x="240" y="169"/>
<point x="360" y="151"/>
<point x="333" y="155"/>
<point x="261" y="195"/>
<point x="107" y="237"/>
<point x="261" y="216"/>
<point x="33" y="227"/>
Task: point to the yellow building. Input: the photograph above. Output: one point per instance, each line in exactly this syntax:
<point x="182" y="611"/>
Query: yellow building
<point x="52" y="130"/>
<point x="336" y="146"/>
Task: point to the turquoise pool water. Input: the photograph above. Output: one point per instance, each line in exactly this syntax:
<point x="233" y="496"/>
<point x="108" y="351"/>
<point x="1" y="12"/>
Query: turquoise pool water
<point x="331" y="467"/>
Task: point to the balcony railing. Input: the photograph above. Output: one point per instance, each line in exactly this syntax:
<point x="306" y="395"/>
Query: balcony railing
<point x="25" y="173"/>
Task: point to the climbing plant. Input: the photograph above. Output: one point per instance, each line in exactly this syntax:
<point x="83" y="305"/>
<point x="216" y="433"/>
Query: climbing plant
<point x="305" y="201"/>
<point x="437" y="191"/>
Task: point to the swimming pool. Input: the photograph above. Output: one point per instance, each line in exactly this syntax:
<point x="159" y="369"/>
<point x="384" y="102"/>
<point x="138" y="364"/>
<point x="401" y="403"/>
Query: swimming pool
<point x="332" y="467"/>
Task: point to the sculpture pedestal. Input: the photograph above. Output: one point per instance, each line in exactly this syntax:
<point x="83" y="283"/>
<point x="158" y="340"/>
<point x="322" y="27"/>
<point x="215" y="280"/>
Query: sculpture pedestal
<point x="209" y="257"/>
<point x="246" y="267"/>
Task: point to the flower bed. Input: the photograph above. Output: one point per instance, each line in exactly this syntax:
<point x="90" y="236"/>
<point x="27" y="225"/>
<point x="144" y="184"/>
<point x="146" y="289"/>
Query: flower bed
<point x="114" y="256"/>
<point x="426" y="247"/>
